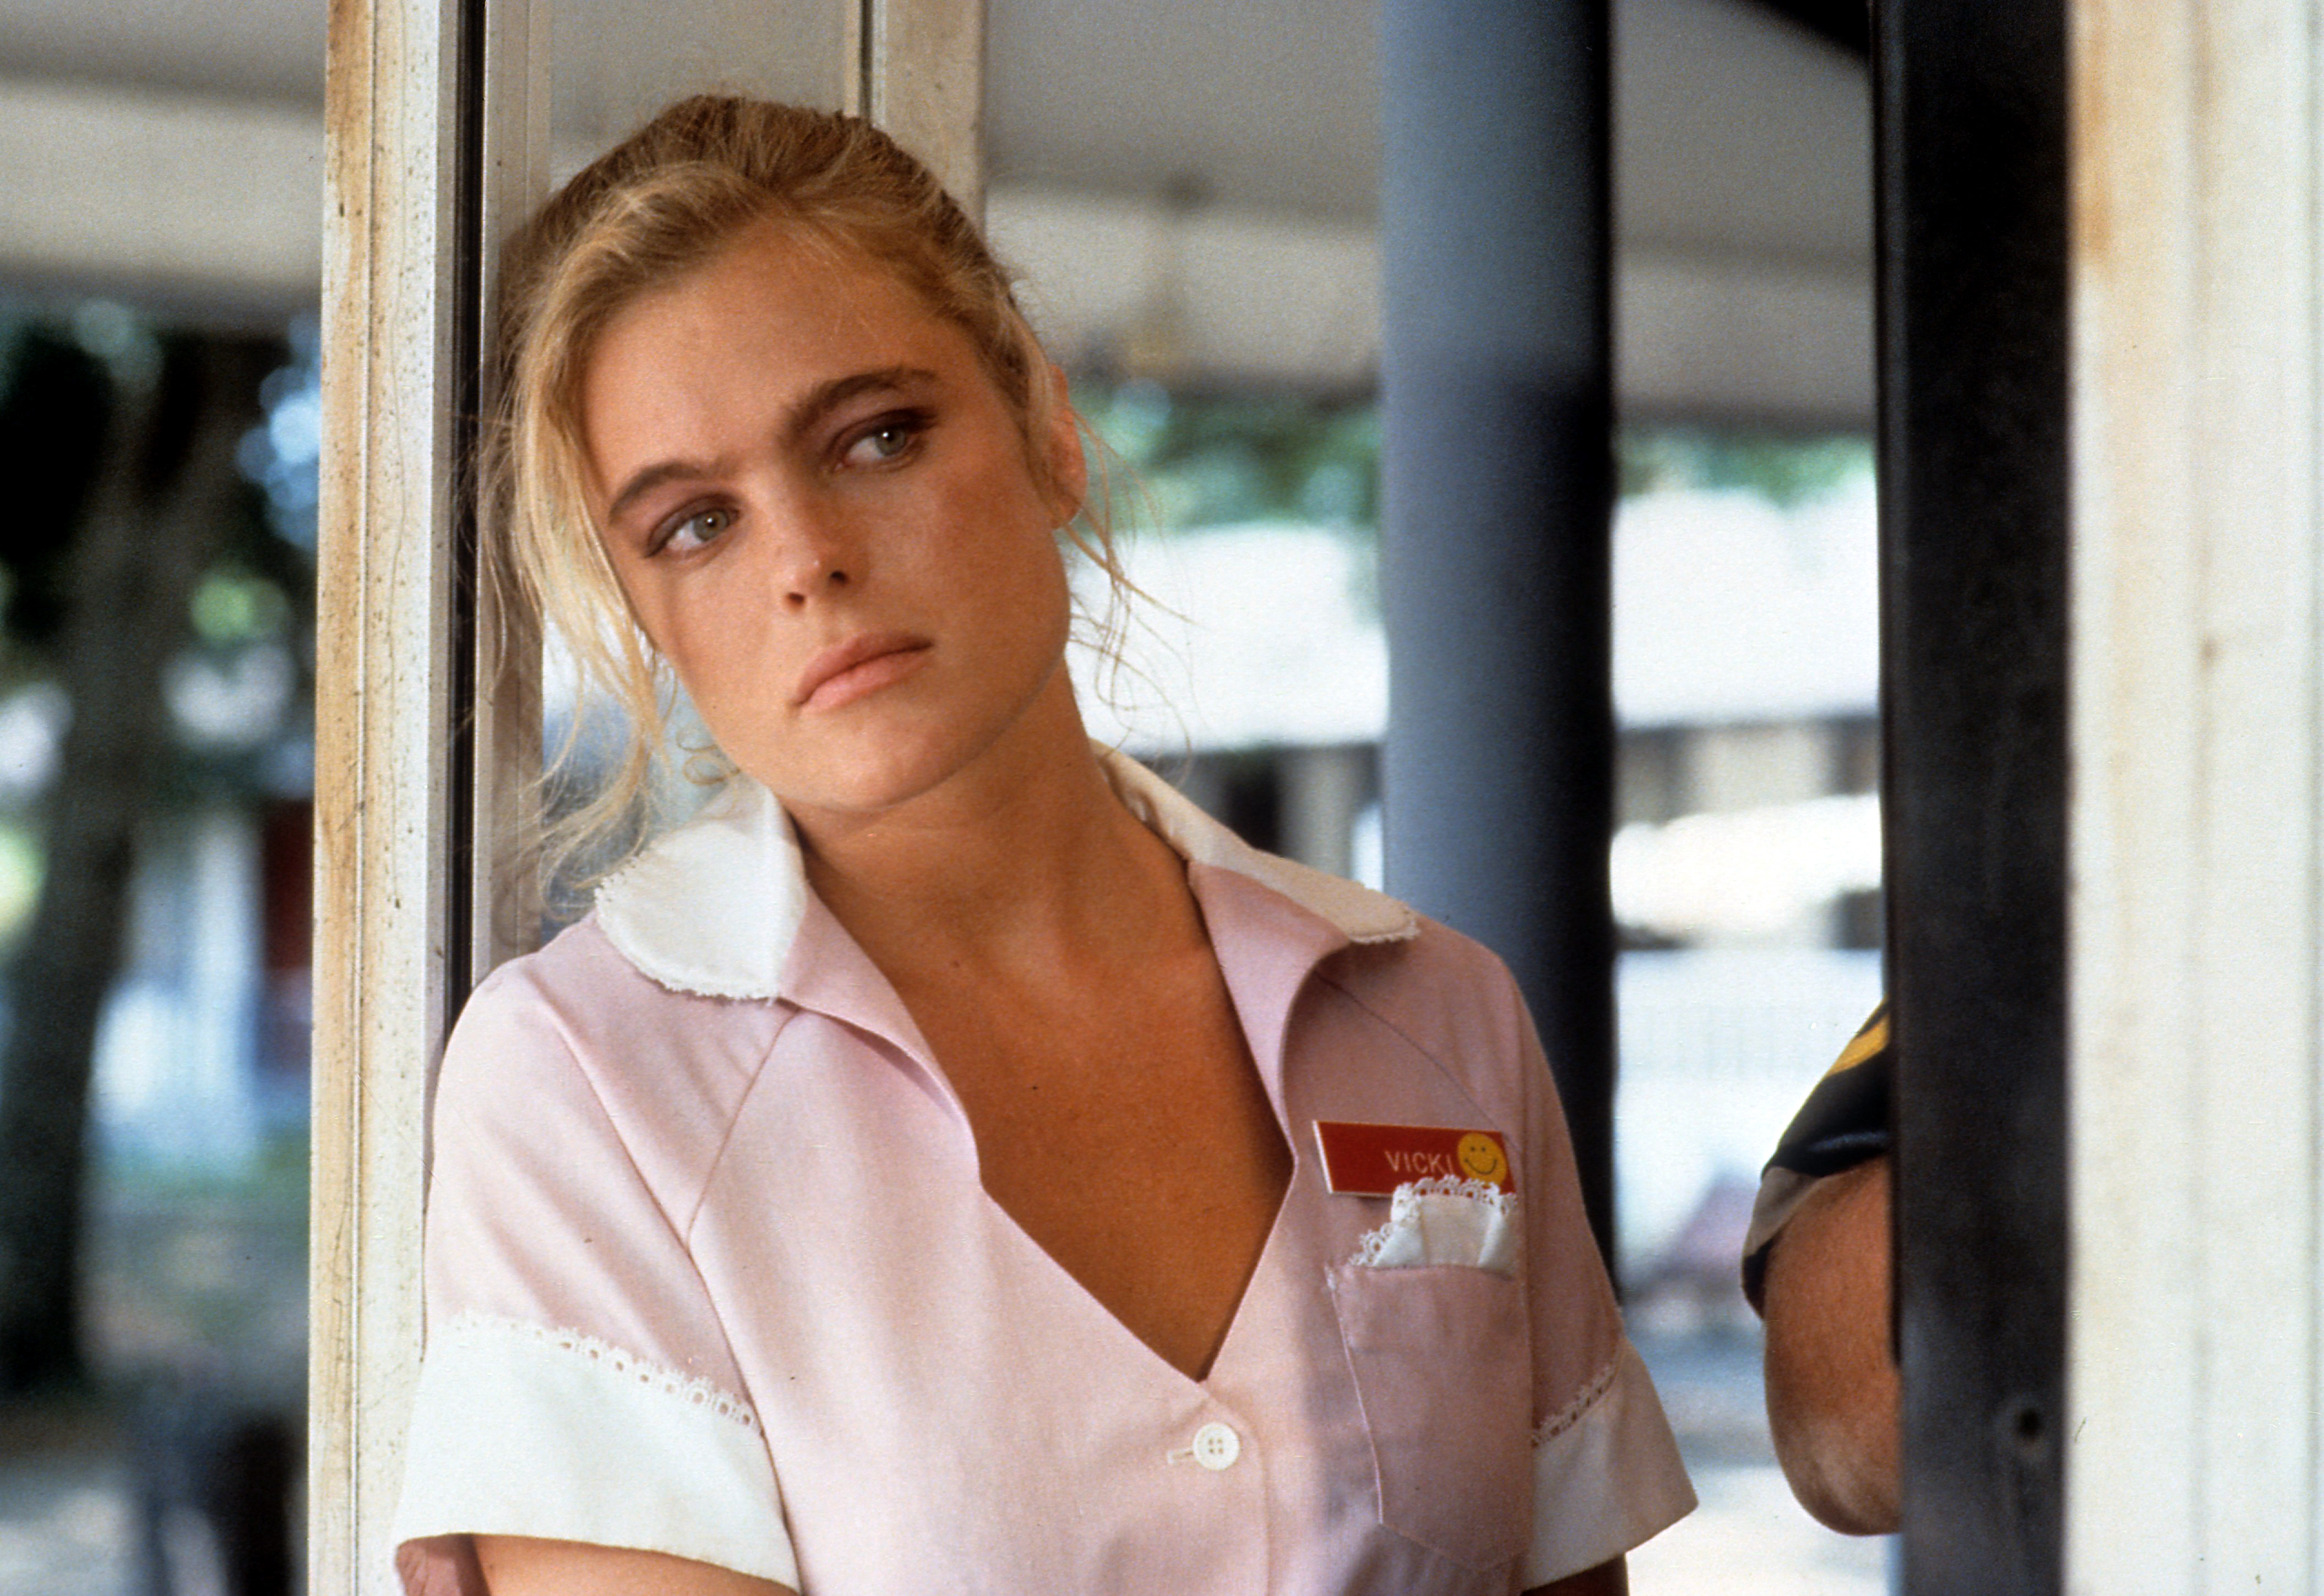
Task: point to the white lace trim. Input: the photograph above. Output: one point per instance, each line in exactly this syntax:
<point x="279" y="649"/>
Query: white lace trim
<point x="690" y="1389"/>
<point x="1449" y="1186"/>
<point x="1606" y="1476"/>
<point x="1567" y="1416"/>
<point x="1396" y="1242"/>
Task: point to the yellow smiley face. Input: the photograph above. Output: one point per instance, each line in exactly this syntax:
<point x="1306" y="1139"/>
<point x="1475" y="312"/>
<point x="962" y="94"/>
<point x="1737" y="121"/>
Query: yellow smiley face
<point x="1480" y="1157"/>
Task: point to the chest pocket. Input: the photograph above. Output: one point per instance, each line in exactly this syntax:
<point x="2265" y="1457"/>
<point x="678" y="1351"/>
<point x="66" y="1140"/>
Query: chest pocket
<point x="1442" y="1366"/>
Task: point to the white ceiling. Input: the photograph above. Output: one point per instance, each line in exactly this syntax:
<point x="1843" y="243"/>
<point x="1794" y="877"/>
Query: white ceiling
<point x="254" y="49"/>
<point x="1741" y="143"/>
<point x="1270" y="104"/>
<point x="1734" y="129"/>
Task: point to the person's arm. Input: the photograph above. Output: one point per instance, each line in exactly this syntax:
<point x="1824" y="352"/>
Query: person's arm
<point x="519" y="1565"/>
<point x="1832" y="1387"/>
<point x="1608" y="1579"/>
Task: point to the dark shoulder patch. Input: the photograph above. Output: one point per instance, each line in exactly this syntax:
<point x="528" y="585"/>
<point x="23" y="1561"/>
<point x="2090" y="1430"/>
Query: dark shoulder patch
<point x="1845" y="1120"/>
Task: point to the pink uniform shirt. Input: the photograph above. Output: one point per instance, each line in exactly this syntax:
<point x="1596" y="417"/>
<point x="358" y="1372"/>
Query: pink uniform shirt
<point x="711" y="1272"/>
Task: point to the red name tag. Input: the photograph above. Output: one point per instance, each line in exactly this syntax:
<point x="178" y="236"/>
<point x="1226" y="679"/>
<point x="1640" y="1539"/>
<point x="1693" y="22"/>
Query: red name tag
<point x="1373" y="1160"/>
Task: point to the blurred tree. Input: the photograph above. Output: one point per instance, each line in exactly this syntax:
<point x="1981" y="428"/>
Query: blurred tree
<point x="126" y="488"/>
<point x="1783" y="468"/>
<point x="1214" y="459"/>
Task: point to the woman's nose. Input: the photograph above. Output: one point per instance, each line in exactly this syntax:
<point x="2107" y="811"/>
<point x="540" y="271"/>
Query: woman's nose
<point x="814" y="557"/>
<point x="810" y="574"/>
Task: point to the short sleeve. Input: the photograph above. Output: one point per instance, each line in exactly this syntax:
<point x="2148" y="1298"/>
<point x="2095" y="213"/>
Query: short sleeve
<point x="1843" y="1123"/>
<point x="578" y="1384"/>
<point x="1606" y="1468"/>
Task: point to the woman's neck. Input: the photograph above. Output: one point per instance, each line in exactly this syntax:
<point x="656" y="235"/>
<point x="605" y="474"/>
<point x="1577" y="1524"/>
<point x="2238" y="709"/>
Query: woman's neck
<point x="1024" y="865"/>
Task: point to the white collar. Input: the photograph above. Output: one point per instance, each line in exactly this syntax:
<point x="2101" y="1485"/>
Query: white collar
<point x="712" y="905"/>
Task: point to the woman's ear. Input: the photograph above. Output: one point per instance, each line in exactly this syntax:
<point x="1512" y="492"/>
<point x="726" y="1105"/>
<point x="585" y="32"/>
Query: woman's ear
<point x="1068" y="468"/>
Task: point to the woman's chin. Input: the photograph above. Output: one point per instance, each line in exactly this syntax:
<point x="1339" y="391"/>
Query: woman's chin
<point x="863" y="778"/>
<point x="862" y="766"/>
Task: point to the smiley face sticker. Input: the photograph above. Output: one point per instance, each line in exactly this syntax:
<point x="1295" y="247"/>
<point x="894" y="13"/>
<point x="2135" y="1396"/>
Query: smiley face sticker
<point x="1480" y="1157"/>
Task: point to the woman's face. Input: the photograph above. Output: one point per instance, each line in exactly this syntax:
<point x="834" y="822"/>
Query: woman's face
<point x="821" y="509"/>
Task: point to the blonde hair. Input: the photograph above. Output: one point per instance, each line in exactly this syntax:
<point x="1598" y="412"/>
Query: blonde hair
<point x="657" y="206"/>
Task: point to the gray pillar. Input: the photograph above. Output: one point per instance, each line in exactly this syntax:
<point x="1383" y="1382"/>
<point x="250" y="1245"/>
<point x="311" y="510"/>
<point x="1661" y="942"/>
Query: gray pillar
<point x="1497" y="773"/>
<point x="1323" y="793"/>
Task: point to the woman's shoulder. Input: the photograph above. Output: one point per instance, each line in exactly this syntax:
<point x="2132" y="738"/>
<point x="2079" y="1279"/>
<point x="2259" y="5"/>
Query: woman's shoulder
<point x="1451" y="998"/>
<point x="1429" y="978"/>
<point x="576" y="989"/>
<point x="577" y="1018"/>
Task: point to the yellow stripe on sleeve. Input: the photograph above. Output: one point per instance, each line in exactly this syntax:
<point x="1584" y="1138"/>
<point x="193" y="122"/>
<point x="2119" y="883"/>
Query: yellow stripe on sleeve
<point x="1869" y="1041"/>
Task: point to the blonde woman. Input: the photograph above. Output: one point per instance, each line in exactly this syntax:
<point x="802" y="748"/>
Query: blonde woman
<point x="909" y="1177"/>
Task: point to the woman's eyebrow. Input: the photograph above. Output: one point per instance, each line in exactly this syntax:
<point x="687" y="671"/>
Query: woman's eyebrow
<point x="821" y="399"/>
<point x="812" y="407"/>
<point x="648" y="479"/>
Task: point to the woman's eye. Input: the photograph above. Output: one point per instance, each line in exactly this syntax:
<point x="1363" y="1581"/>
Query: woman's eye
<point x="695" y="530"/>
<point x="887" y="441"/>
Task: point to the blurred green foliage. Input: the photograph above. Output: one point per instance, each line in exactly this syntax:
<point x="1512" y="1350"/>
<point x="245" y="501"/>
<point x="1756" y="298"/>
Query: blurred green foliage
<point x="1195" y="459"/>
<point x="1198" y="460"/>
<point x="1784" y="469"/>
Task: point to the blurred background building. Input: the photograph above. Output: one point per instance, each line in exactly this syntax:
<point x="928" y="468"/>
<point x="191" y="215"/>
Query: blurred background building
<point x="1190" y="191"/>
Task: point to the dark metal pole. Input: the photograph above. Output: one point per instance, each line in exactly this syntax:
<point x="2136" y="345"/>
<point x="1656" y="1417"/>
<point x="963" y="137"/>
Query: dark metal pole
<point x="1498" y="485"/>
<point x="470" y="295"/>
<point x="1972" y="135"/>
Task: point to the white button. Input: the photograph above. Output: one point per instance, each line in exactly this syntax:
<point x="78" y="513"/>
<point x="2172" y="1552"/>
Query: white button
<point x="1216" y="1446"/>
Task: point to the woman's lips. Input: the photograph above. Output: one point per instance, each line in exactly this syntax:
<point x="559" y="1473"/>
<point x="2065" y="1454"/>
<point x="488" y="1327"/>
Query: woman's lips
<point x="842" y="674"/>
